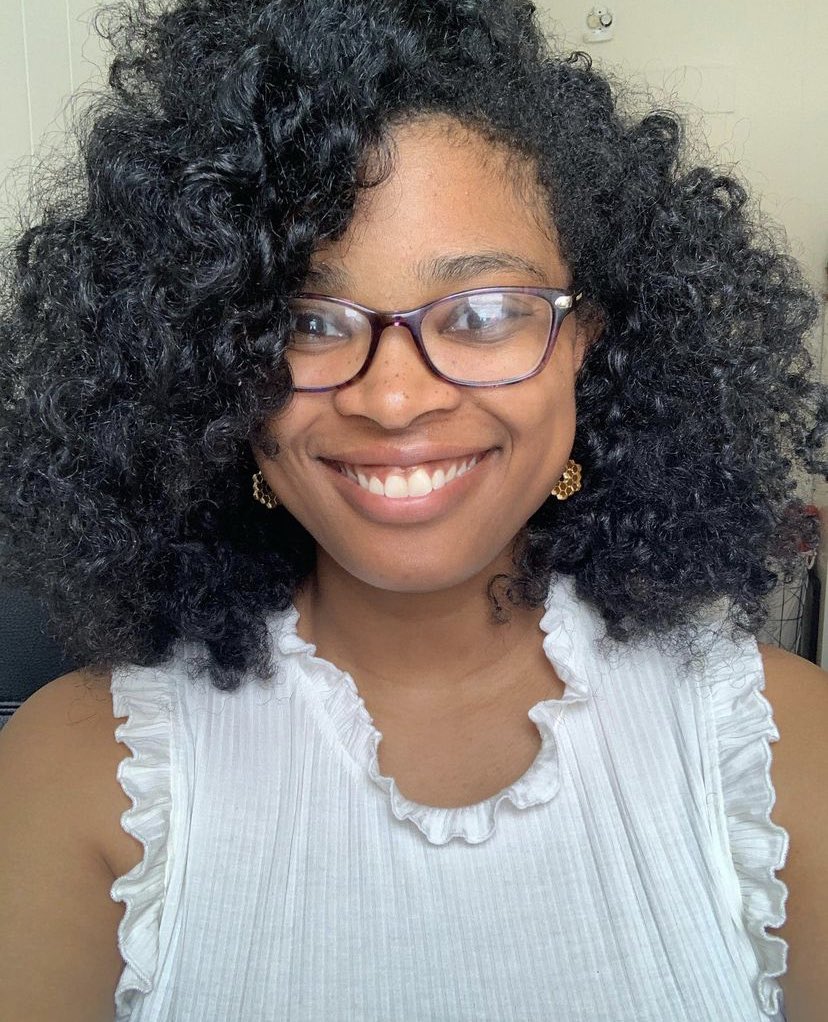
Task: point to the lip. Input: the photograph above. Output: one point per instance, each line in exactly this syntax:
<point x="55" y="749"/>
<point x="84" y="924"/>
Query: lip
<point x="390" y="510"/>
<point x="402" y="456"/>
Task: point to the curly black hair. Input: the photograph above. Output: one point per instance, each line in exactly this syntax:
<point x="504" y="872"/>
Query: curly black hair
<point x="143" y="323"/>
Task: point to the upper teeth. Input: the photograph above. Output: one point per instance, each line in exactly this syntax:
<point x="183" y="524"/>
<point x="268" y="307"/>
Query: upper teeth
<point x="418" y="484"/>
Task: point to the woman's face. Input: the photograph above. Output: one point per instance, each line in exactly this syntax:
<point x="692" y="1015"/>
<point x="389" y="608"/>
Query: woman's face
<point x="450" y="195"/>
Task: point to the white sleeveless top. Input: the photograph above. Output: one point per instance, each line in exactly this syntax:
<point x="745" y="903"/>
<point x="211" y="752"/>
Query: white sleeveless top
<point x="627" y="876"/>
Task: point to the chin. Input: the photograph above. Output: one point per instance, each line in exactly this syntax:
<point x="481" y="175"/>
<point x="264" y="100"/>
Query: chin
<point x="419" y="575"/>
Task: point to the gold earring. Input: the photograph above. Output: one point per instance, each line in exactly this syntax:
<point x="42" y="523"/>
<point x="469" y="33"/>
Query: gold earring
<point x="262" y="492"/>
<point x="570" y="481"/>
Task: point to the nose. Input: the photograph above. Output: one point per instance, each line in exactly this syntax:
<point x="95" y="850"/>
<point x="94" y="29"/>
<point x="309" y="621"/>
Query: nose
<point x="399" y="386"/>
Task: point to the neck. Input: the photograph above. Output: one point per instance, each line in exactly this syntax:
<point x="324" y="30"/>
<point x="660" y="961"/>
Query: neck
<point x="438" y="648"/>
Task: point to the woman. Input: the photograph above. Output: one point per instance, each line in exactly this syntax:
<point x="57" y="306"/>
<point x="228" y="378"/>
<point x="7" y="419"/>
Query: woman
<point x="422" y="680"/>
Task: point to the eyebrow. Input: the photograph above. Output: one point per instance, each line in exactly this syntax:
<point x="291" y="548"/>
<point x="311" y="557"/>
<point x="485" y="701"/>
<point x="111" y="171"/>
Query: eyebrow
<point x="441" y="269"/>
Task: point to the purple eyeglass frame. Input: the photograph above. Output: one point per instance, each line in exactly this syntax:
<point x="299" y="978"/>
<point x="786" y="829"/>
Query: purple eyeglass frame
<point x="561" y="302"/>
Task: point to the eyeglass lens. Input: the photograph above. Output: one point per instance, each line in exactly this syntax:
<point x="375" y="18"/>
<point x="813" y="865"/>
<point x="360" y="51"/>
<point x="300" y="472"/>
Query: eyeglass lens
<point x="473" y="338"/>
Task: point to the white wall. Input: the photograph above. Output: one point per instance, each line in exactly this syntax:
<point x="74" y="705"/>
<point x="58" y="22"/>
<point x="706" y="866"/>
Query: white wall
<point x="47" y="50"/>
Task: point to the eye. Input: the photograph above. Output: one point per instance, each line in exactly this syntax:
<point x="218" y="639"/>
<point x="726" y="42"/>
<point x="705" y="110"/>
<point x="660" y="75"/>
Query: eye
<point x="315" y="323"/>
<point x="484" y="315"/>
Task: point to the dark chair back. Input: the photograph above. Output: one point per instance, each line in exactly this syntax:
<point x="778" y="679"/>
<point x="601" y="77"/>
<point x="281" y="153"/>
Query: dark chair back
<point x="29" y="657"/>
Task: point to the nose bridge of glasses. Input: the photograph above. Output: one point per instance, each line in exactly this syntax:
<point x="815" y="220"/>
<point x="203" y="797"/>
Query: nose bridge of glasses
<point x="409" y="321"/>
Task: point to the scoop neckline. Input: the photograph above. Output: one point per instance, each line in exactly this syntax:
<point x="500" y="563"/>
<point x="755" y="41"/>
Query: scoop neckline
<point x="564" y="647"/>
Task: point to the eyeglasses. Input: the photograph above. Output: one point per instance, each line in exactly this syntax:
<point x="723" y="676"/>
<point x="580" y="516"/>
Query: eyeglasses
<point x="485" y="337"/>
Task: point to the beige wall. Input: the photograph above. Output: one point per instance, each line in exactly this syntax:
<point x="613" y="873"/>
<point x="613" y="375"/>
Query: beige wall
<point x="753" y="76"/>
<point x="753" y="71"/>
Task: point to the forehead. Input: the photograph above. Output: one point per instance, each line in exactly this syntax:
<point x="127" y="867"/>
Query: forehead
<point x="453" y="204"/>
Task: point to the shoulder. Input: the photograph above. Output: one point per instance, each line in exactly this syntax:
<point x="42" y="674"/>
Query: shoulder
<point x="63" y="738"/>
<point x="71" y="715"/>
<point x="68" y="717"/>
<point x="797" y="691"/>
<point x="58" y="806"/>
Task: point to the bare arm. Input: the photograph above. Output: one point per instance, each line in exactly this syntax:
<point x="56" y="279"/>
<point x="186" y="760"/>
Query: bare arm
<point x="59" y="957"/>
<point x="798" y="692"/>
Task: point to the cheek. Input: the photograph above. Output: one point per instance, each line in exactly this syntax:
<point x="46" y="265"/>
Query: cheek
<point x="543" y="439"/>
<point x="542" y="424"/>
<point x="285" y="441"/>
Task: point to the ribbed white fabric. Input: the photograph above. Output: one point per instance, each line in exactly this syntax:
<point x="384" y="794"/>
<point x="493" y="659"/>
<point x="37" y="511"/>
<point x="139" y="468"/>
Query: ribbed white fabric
<point x="628" y="876"/>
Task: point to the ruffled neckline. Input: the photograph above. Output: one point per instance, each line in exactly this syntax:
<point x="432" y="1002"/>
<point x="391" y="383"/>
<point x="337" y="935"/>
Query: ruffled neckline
<point x="564" y="647"/>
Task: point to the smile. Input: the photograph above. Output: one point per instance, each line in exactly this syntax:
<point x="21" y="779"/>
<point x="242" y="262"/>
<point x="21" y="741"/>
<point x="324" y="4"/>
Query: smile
<point x="414" y="481"/>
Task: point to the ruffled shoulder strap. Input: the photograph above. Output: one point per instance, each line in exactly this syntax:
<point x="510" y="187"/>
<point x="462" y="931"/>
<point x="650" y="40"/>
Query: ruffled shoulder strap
<point x="744" y="729"/>
<point x="144" y="695"/>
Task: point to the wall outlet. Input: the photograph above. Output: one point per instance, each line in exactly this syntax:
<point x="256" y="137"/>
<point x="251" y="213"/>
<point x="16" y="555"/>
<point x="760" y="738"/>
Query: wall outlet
<point x="599" y="25"/>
